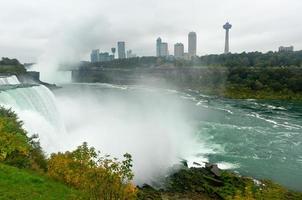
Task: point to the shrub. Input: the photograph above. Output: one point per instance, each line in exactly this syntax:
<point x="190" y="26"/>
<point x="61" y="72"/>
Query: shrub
<point x="16" y="148"/>
<point x="101" y="177"/>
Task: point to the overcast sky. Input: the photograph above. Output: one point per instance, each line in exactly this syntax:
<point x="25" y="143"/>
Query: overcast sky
<point x="31" y="29"/>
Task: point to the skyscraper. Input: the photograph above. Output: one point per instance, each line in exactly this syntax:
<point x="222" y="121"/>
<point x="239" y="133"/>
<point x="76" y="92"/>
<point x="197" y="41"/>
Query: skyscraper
<point x="121" y="50"/>
<point x="158" y="45"/>
<point x="94" y="56"/>
<point x="178" y="50"/>
<point x="192" y="46"/>
<point x="164" y="50"/>
<point x="227" y="27"/>
<point x="161" y="48"/>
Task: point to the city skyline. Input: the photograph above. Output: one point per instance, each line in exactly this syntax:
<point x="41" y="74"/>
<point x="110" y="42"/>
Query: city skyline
<point x="51" y="29"/>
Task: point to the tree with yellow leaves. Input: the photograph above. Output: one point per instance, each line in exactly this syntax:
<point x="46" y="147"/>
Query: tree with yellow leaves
<point x="101" y="177"/>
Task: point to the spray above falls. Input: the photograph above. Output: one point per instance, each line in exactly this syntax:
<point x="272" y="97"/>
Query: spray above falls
<point x="146" y="123"/>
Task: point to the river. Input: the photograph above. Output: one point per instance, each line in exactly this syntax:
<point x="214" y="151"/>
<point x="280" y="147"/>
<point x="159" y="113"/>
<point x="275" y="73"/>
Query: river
<point x="159" y="127"/>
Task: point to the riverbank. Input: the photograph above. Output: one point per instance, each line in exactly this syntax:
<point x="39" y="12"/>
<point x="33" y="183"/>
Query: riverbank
<point x="212" y="183"/>
<point x="237" y="92"/>
<point x="187" y="183"/>
<point x="278" y="83"/>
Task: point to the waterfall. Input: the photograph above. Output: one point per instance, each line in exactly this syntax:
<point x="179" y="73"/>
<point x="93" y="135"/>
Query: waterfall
<point x="36" y="107"/>
<point x="9" y="80"/>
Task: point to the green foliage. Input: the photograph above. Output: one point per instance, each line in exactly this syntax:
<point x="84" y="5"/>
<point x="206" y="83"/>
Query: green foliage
<point x="14" y="144"/>
<point x="272" y="75"/>
<point x="11" y="66"/>
<point x="23" y="185"/>
<point x="228" y="186"/>
<point x="253" y="59"/>
<point x="16" y="148"/>
<point x="147" y="192"/>
<point x="101" y="177"/>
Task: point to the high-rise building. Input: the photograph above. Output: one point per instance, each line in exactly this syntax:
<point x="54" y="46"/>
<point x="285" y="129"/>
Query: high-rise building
<point x="105" y="57"/>
<point x="179" y="50"/>
<point x="158" y="46"/>
<point x="121" y="50"/>
<point x="192" y="44"/>
<point x="286" y="49"/>
<point x="227" y="28"/>
<point x="162" y="49"/>
<point x="94" y="56"/>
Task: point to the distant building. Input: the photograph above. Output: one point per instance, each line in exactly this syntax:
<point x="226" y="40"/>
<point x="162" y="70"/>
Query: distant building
<point x="227" y="28"/>
<point x="192" y="44"/>
<point x="130" y="54"/>
<point x="94" y="56"/>
<point x="162" y="49"/>
<point x="286" y="49"/>
<point x="121" y="50"/>
<point x="158" y="46"/>
<point x="179" y="50"/>
<point x="187" y="56"/>
<point x="105" y="57"/>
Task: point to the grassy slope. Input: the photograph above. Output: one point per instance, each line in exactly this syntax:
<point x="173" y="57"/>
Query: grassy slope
<point x="20" y="184"/>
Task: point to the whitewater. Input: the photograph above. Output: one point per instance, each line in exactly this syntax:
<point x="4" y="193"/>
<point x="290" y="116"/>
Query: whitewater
<point x="161" y="127"/>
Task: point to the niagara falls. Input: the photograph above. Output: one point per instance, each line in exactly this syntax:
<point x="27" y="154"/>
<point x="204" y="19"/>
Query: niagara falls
<point x="150" y="100"/>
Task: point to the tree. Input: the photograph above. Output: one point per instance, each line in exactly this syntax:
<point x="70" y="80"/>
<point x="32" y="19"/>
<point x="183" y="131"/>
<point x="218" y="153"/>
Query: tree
<point x="101" y="177"/>
<point x="16" y="148"/>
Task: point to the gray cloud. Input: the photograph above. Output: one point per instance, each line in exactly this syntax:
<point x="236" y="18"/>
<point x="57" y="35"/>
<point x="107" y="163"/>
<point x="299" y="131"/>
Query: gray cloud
<point x="67" y="29"/>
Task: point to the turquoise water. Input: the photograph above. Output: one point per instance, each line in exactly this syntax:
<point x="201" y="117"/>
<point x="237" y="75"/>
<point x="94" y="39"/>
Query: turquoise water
<point x="262" y="139"/>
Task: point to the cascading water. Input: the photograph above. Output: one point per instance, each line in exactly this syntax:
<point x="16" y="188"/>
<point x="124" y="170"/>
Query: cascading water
<point x="115" y="125"/>
<point x="36" y="107"/>
<point x="9" y="80"/>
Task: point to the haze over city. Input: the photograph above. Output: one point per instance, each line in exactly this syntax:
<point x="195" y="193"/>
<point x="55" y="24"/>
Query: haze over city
<point x="39" y="28"/>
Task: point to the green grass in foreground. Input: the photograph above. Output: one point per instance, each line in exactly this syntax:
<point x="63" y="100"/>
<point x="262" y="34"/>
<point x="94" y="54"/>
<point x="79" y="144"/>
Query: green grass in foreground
<point x="20" y="184"/>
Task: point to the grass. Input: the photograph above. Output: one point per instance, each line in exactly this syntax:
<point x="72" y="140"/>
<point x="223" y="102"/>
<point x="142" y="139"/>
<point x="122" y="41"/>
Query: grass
<point x="17" y="184"/>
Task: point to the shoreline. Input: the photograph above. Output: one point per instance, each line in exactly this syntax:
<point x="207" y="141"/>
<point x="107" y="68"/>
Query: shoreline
<point x="210" y="182"/>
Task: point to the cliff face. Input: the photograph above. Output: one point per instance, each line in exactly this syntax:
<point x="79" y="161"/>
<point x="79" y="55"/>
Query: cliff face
<point x="284" y="83"/>
<point x="29" y="77"/>
<point x="185" y="77"/>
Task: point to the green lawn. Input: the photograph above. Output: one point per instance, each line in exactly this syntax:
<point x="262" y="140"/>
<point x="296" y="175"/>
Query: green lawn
<point x="20" y="184"/>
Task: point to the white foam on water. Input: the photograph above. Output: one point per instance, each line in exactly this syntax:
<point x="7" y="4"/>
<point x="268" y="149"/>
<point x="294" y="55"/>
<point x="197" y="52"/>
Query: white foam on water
<point x="9" y="80"/>
<point x="227" y="165"/>
<point x="158" y="136"/>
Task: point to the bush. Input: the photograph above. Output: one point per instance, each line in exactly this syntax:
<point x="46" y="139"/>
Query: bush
<point x="101" y="177"/>
<point x="16" y="148"/>
<point x="11" y="66"/>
